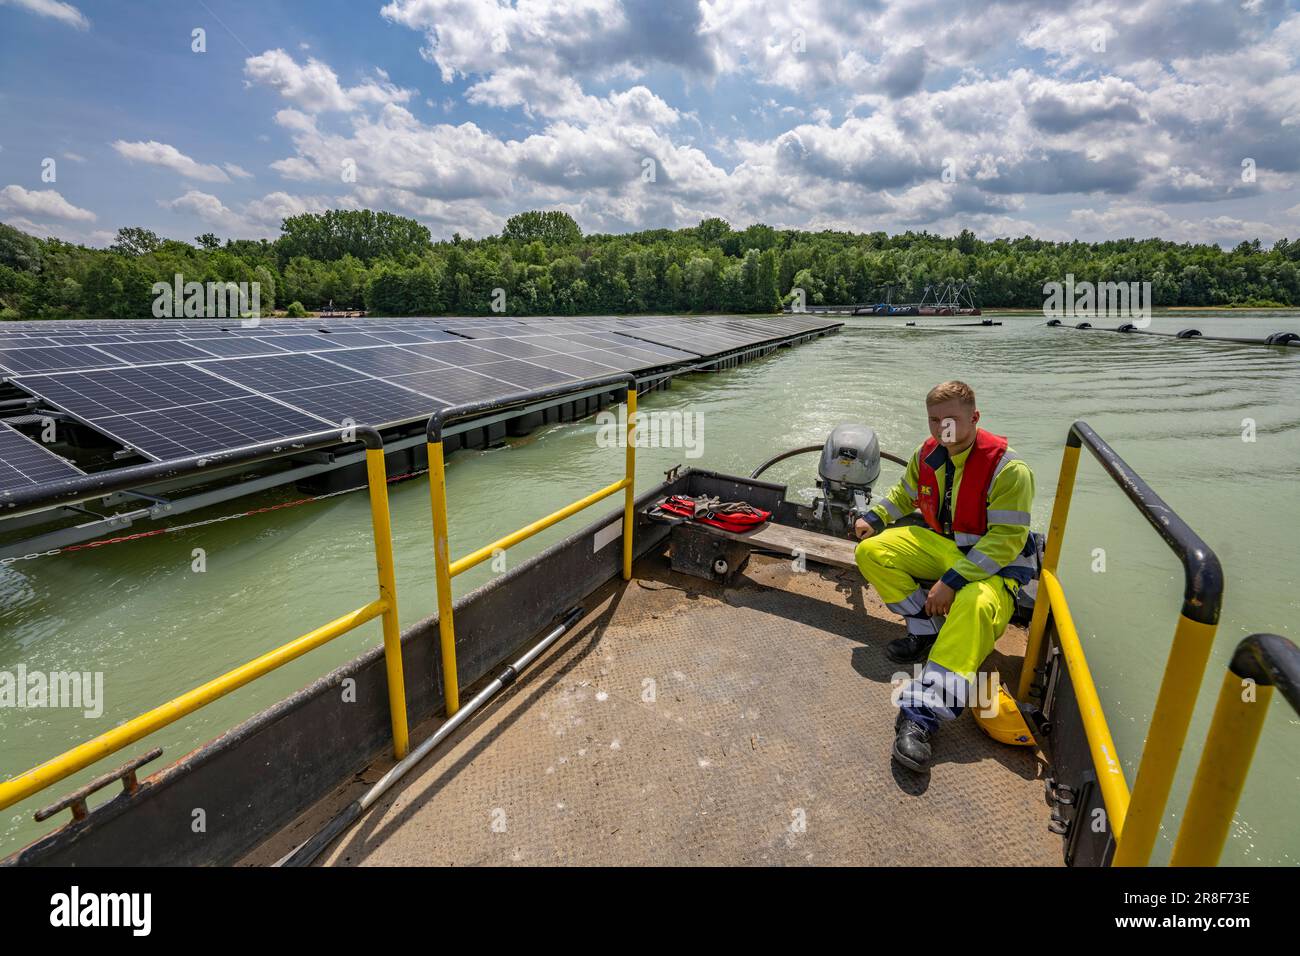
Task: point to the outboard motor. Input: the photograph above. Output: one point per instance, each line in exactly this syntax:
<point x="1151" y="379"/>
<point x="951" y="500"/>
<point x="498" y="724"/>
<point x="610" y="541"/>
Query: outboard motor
<point x="850" y="465"/>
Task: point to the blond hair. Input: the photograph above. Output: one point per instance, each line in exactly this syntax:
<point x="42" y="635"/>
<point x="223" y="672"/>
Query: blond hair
<point x="946" y="391"/>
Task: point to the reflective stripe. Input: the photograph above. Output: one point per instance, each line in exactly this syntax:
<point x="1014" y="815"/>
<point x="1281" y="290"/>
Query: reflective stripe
<point x="938" y="691"/>
<point x="911" y="492"/>
<point x="914" y="603"/>
<point x="983" y="561"/>
<point x="965" y="539"/>
<point x="1007" y="456"/>
<point x="1009" y="517"/>
<point x="923" y="626"/>
<point x="892" y="509"/>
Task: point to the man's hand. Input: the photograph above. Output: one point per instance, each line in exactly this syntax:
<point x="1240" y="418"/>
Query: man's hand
<point x="939" y="601"/>
<point x="862" y="529"/>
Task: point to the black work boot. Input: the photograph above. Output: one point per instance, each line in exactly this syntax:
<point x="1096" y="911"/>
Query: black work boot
<point x="912" y="649"/>
<point x="911" y="744"/>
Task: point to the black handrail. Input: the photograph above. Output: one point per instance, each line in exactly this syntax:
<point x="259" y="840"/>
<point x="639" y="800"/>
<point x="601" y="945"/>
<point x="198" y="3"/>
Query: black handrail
<point x="1271" y="661"/>
<point x="1203" y="574"/>
<point x="440" y="418"/>
<point x="67" y="491"/>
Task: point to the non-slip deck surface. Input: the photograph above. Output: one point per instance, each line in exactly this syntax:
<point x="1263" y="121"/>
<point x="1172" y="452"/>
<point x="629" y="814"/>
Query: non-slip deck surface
<point x="684" y="723"/>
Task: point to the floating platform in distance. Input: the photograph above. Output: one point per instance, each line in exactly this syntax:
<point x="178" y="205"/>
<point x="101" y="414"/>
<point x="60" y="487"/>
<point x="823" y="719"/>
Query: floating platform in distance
<point x="1282" y="339"/>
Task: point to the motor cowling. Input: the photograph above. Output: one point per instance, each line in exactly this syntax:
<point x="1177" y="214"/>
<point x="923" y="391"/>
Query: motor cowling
<point x="849" y="467"/>
<point x="850" y="458"/>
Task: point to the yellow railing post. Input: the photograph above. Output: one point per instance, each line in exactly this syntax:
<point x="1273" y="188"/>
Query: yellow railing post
<point x="1051" y="558"/>
<point x="442" y="571"/>
<point x="629" y="493"/>
<point x="1105" y="757"/>
<point x="445" y="569"/>
<point x="381" y="518"/>
<point x="1170" y="719"/>
<point x="1221" y="775"/>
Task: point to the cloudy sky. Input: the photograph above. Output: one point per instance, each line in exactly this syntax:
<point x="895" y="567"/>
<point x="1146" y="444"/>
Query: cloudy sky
<point x="1055" y="118"/>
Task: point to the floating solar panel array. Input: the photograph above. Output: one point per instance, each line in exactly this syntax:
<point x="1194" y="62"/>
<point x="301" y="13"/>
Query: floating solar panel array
<point x="24" y="463"/>
<point x="172" y="388"/>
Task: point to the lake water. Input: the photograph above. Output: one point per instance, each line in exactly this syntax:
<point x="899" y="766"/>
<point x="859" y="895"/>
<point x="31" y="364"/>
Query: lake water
<point x="1176" y="410"/>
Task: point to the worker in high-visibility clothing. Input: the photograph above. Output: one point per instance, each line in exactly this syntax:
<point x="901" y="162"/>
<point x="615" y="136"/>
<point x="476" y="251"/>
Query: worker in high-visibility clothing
<point x="975" y="495"/>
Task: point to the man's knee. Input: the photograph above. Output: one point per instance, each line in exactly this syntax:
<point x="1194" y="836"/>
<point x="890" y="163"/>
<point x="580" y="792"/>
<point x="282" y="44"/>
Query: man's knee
<point x="868" y="551"/>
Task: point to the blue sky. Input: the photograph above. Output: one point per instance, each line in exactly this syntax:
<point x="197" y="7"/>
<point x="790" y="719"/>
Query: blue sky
<point x="1092" y="119"/>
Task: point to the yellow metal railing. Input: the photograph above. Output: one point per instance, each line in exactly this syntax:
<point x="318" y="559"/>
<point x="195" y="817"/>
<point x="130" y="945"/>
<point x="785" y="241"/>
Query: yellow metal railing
<point x="1134" y="818"/>
<point x="446" y="569"/>
<point x="385" y="607"/>
<point x="1261" y="662"/>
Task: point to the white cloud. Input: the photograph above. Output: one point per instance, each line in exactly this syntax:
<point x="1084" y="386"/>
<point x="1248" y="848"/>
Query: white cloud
<point x="257" y="218"/>
<point x="55" y="9"/>
<point x="1140" y="220"/>
<point x="315" y="87"/>
<point x="239" y="172"/>
<point x="854" y="110"/>
<point x="42" y="202"/>
<point x="162" y="154"/>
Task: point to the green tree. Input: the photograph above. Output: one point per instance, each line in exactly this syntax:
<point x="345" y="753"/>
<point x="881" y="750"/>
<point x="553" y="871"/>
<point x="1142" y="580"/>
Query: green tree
<point x="552" y="227"/>
<point x="135" y="241"/>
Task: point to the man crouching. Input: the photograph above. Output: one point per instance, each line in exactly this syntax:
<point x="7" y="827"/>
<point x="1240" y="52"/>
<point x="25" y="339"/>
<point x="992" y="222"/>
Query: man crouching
<point x="975" y="494"/>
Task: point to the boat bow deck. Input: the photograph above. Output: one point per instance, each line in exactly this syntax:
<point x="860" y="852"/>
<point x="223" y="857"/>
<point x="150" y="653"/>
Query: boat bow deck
<point x="686" y="723"/>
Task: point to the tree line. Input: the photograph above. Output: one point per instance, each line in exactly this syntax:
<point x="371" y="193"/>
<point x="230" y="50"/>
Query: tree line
<point x="542" y="264"/>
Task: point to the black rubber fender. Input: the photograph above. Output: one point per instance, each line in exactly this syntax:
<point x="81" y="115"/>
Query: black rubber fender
<point x="1084" y="325"/>
<point x="1282" y="338"/>
<point x="1127" y="327"/>
<point x="1189" y="334"/>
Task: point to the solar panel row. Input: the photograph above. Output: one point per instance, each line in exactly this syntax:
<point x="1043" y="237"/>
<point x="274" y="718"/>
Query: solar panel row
<point x="170" y="389"/>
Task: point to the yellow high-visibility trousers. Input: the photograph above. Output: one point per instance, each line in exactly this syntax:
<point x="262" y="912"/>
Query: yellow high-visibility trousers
<point x="894" y="559"/>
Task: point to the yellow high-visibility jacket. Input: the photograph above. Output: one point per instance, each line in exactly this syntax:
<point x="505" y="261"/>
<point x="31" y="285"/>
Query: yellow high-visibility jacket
<point x="999" y="550"/>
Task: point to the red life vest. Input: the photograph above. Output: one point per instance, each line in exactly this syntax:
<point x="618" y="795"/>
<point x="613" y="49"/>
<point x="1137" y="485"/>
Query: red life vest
<point x="738" y="520"/>
<point x="971" y="509"/>
<point x="735" y="516"/>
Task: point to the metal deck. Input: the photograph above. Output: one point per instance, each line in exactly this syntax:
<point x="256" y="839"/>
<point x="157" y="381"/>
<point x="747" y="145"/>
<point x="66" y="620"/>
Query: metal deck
<point x="686" y="723"/>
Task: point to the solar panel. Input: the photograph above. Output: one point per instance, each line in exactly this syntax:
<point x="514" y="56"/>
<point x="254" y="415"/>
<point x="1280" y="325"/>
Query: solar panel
<point x="453" y="385"/>
<point x="455" y="353"/>
<point x="142" y="353"/>
<point x="676" y="353"/>
<point x="575" y="365"/>
<point x="522" y="374"/>
<point x="19" y="360"/>
<point x="350" y="340"/>
<point x="106" y="392"/>
<point x="615" y="361"/>
<point x="24" y="463"/>
<point x="304" y="343"/>
<point x="517" y="348"/>
<point x="277" y="373"/>
<point x="210" y="427"/>
<point x="436" y="335"/>
<point x="384" y="360"/>
<point x="399" y="337"/>
<point x="80" y="338"/>
<point x="236" y="346"/>
<point x="371" y="402"/>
